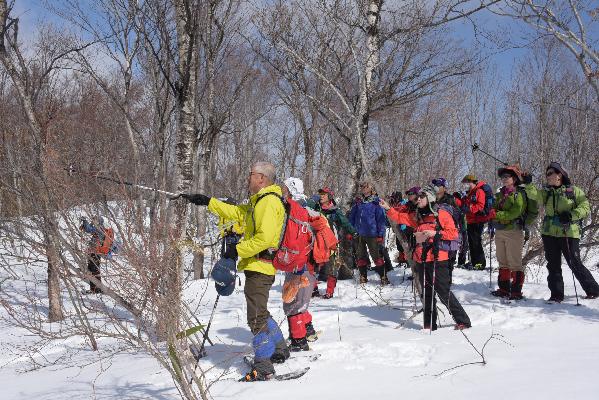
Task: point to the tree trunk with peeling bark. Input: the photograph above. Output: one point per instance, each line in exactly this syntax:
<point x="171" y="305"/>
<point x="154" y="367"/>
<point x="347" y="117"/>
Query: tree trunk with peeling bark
<point x="20" y="78"/>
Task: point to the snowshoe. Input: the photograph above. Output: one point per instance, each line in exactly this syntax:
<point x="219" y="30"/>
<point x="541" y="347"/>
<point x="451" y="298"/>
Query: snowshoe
<point x="516" y="296"/>
<point x="363" y="279"/>
<point x="460" y="327"/>
<point x="385" y="281"/>
<point x="255" y="375"/>
<point x="553" y="300"/>
<point x="500" y="293"/>
<point x="590" y="296"/>
<point x="280" y="356"/>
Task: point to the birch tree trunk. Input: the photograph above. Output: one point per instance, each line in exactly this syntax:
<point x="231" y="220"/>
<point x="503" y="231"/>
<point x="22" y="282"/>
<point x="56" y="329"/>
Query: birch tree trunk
<point x="360" y="168"/>
<point x="17" y="70"/>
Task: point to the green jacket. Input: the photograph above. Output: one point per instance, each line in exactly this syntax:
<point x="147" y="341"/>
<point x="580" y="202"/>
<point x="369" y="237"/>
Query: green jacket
<point x="335" y="217"/>
<point x="263" y="224"/>
<point x="557" y="201"/>
<point x="509" y="210"/>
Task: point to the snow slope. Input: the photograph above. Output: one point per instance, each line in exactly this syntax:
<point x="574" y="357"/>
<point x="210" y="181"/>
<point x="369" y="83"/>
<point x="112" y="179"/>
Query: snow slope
<point x="542" y="352"/>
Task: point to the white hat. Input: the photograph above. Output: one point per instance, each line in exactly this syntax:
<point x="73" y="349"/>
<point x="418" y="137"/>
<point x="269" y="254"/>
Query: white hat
<point x="296" y="188"/>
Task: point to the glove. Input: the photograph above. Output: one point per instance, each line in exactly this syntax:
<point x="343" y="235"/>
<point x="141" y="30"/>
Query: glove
<point x="197" y="199"/>
<point x="300" y="271"/>
<point x="402" y="227"/>
<point x="565" y="218"/>
<point x="526" y="178"/>
<point x="492" y="213"/>
<point x="526" y="234"/>
<point x="458" y="195"/>
<point x="349" y="236"/>
<point x="380" y="240"/>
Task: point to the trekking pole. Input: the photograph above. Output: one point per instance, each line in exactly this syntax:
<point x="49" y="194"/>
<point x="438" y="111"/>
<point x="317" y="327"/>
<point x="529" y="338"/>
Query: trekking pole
<point x="490" y="261"/>
<point x="202" y="351"/>
<point x="172" y="196"/>
<point x="430" y="332"/>
<point x="475" y="147"/>
<point x="567" y="260"/>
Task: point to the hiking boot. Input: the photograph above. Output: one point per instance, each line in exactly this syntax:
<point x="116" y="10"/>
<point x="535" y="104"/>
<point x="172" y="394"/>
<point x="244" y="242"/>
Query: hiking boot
<point x="299" y="345"/>
<point x="280" y="356"/>
<point x="516" y="296"/>
<point x="590" y="296"/>
<point x="478" y="267"/>
<point x="315" y="292"/>
<point x="363" y="279"/>
<point x="311" y="334"/>
<point x="553" y="300"/>
<point x="500" y="293"/>
<point x="460" y="327"/>
<point x="255" y="375"/>
<point x="327" y="296"/>
<point x="467" y="266"/>
<point x="385" y="280"/>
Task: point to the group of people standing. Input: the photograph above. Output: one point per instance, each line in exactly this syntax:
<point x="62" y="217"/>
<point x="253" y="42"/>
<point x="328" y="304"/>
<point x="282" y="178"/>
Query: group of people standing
<point x="434" y="229"/>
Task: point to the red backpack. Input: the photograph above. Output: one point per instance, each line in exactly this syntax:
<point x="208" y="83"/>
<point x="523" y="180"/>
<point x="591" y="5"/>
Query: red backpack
<point x="297" y="237"/>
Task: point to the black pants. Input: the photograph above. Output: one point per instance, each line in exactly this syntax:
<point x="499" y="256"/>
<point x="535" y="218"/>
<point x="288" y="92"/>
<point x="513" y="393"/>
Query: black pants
<point x="475" y="243"/>
<point x="93" y="266"/>
<point x="441" y="290"/>
<point x="569" y="247"/>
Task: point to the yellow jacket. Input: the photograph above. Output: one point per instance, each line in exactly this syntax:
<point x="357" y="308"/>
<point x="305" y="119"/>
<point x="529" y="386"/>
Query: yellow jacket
<point x="262" y="227"/>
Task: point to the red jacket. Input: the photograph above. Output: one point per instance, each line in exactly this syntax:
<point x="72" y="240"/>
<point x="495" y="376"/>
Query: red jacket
<point x="447" y="230"/>
<point x="474" y="204"/>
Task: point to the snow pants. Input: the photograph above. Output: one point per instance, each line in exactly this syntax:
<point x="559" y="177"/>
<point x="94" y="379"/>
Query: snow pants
<point x="475" y="244"/>
<point x="438" y="286"/>
<point x="570" y="248"/>
<point x="93" y="267"/>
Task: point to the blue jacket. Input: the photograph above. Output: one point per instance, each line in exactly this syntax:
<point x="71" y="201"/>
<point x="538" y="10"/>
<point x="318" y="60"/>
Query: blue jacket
<point x="369" y="218"/>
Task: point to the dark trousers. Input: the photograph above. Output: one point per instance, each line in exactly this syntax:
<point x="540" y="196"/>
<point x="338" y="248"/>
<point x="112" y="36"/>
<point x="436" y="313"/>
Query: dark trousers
<point x="475" y="243"/>
<point x="370" y="245"/>
<point x="93" y="266"/>
<point x="441" y="289"/>
<point x="570" y="248"/>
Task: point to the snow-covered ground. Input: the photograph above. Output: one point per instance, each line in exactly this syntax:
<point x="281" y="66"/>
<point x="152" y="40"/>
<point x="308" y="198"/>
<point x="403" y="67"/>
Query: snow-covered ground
<point x="542" y="352"/>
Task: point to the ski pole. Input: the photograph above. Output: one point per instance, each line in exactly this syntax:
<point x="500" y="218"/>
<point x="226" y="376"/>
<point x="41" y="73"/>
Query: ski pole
<point x="172" y="195"/>
<point x="202" y="351"/>
<point x="570" y="255"/>
<point x="490" y="261"/>
<point x="475" y="147"/>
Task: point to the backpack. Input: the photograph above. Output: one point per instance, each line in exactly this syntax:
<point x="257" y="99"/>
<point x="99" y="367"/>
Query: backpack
<point x="531" y="207"/>
<point x="107" y="245"/>
<point x="450" y="245"/>
<point x="489" y="199"/>
<point x="297" y="237"/>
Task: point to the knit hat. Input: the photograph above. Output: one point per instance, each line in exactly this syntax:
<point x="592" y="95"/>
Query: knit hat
<point x="223" y="274"/>
<point x="429" y="191"/>
<point x="558" y="167"/>
<point x="413" y="190"/>
<point x="470" y="178"/>
<point x="439" y="182"/>
<point x="326" y="190"/>
<point x="513" y="170"/>
<point x="296" y="188"/>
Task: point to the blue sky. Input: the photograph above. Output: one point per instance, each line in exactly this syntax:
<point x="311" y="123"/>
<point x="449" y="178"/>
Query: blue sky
<point x="503" y="55"/>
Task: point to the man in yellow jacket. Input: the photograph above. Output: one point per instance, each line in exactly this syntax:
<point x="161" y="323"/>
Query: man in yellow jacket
<point x="262" y="220"/>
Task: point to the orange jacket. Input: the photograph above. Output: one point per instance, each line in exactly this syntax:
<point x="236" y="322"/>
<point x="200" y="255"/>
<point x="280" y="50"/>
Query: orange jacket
<point x="325" y="240"/>
<point x="402" y="215"/>
<point x="447" y="230"/>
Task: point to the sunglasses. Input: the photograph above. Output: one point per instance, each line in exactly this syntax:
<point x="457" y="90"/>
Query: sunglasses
<point x="422" y="195"/>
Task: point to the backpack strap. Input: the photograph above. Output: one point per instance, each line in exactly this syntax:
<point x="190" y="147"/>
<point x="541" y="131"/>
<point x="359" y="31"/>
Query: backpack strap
<point x="267" y="254"/>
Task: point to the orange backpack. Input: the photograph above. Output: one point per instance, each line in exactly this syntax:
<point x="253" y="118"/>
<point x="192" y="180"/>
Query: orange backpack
<point x="104" y="248"/>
